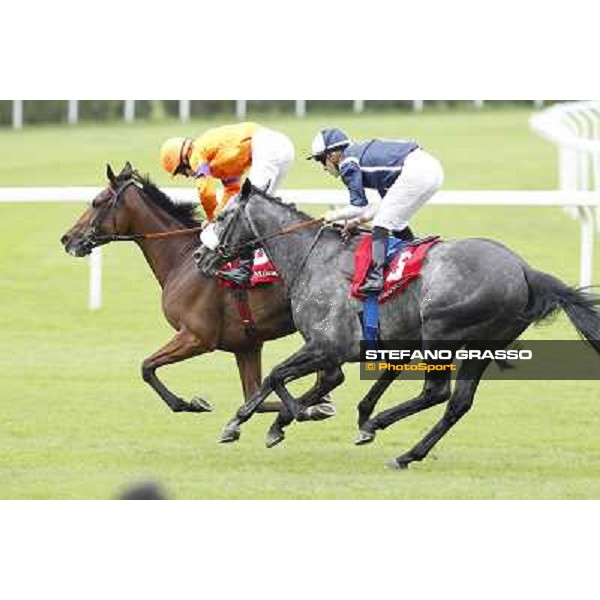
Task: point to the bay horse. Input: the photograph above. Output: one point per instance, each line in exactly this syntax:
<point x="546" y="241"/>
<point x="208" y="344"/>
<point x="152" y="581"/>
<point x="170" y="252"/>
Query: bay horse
<point x="204" y="313"/>
<point x="470" y="291"/>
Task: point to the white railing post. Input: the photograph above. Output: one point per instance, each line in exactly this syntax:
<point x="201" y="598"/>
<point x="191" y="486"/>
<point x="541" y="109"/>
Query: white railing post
<point x="73" y="112"/>
<point x="478" y="103"/>
<point x="185" y="110"/>
<point x="586" y="216"/>
<point x="538" y="103"/>
<point x="129" y="111"/>
<point x="300" y="108"/>
<point x="359" y="106"/>
<point x="95" y="296"/>
<point x="417" y="105"/>
<point x="240" y="109"/>
<point x="17" y="114"/>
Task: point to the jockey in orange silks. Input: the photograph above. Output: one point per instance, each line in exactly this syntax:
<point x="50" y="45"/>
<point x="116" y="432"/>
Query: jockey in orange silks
<point x="227" y="154"/>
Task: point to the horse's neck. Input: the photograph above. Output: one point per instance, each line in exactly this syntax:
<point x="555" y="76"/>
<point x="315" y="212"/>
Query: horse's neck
<point x="288" y="252"/>
<point x="166" y="254"/>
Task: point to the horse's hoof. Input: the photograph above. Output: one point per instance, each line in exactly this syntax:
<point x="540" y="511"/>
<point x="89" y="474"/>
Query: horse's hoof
<point x="274" y="438"/>
<point x="318" y="412"/>
<point x="229" y="435"/>
<point x="198" y="404"/>
<point x="398" y="464"/>
<point x="364" y="437"/>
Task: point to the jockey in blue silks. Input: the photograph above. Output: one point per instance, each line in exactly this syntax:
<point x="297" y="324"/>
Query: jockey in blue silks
<point x="400" y="170"/>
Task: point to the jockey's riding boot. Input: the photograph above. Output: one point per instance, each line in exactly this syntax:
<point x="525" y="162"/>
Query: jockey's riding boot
<point x="373" y="283"/>
<point x="242" y="273"/>
<point x="406" y="234"/>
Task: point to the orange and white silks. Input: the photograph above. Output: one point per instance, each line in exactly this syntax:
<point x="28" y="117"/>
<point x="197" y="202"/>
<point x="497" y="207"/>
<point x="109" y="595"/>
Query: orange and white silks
<point x="225" y="154"/>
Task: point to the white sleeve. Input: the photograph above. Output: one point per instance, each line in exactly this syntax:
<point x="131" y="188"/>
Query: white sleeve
<point x="343" y="214"/>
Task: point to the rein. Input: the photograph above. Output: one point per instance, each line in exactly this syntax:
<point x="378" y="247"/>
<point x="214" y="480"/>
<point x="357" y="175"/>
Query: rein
<point x="177" y="232"/>
<point x="258" y="241"/>
<point x="115" y="237"/>
<point x="147" y="236"/>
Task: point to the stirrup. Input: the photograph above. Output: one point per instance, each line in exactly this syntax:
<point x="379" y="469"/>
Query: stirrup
<point x="238" y="276"/>
<point x="372" y="287"/>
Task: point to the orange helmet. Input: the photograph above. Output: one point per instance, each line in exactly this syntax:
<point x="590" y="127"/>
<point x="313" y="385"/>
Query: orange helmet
<point x="174" y="154"/>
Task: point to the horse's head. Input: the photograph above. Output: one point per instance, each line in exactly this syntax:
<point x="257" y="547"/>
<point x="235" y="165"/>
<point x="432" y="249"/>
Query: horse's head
<point x="228" y="234"/>
<point x="105" y="218"/>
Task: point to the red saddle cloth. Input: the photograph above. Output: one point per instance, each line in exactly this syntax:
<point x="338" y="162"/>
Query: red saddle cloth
<point x="263" y="271"/>
<point x="403" y="268"/>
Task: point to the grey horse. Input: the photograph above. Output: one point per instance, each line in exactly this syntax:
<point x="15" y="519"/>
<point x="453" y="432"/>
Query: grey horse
<point x="469" y="290"/>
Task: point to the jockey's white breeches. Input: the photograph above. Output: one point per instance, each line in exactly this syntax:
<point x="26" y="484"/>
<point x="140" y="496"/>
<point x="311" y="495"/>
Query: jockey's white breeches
<point x="421" y="177"/>
<point x="272" y="155"/>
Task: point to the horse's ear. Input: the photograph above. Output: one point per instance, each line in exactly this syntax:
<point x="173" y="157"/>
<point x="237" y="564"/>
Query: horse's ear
<point x="110" y="174"/>
<point x="127" y="170"/>
<point x="246" y="189"/>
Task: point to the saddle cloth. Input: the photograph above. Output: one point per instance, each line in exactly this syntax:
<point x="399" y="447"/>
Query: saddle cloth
<point x="401" y="270"/>
<point x="263" y="271"/>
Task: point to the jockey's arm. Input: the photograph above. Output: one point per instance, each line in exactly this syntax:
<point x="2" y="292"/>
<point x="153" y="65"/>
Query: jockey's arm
<point x="207" y="193"/>
<point x="231" y="187"/>
<point x="359" y="208"/>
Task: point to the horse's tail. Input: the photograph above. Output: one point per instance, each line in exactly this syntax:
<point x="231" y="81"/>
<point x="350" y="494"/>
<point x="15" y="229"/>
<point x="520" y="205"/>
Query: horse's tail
<point x="547" y="295"/>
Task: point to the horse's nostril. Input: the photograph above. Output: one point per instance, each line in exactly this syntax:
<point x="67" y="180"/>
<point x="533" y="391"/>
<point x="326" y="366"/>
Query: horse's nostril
<point x="64" y="239"/>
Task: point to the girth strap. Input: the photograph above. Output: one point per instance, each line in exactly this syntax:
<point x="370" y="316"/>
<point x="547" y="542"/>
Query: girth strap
<point x="240" y="296"/>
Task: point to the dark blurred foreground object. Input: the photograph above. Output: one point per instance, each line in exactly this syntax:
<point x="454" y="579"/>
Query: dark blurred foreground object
<point x="147" y="490"/>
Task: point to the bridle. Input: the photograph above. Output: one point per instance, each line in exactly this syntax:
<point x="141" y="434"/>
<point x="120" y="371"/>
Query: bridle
<point x="228" y="252"/>
<point x="94" y="238"/>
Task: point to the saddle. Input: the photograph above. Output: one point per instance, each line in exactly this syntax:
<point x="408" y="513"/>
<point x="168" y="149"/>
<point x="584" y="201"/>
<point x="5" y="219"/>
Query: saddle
<point x="403" y="265"/>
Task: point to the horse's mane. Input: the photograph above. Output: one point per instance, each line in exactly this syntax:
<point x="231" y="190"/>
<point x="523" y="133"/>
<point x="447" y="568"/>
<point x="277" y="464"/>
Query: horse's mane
<point x="185" y="213"/>
<point x="277" y="200"/>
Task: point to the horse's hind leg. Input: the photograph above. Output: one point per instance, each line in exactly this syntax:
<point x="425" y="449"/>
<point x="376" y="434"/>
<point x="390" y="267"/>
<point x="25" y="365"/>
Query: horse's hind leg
<point x="435" y="391"/>
<point x="468" y="378"/>
<point x="367" y="405"/>
<point x="182" y="346"/>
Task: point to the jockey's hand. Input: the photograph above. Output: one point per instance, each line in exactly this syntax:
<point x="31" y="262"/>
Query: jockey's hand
<point x="349" y="227"/>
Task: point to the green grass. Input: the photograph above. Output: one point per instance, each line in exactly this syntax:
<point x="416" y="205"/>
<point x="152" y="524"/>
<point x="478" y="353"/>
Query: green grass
<point x="487" y="149"/>
<point x="78" y="421"/>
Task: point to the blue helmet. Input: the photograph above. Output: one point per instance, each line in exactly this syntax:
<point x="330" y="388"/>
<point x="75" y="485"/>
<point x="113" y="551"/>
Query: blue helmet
<point x="328" y="140"/>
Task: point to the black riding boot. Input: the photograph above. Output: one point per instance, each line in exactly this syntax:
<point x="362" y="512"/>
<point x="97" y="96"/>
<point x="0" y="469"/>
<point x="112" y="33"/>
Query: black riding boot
<point x="406" y="234"/>
<point x="241" y="274"/>
<point x="374" y="281"/>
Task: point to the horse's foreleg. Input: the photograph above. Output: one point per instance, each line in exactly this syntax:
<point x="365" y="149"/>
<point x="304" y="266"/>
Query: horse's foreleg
<point x="182" y="346"/>
<point x="315" y="407"/>
<point x="250" y="369"/>
<point x="309" y="359"/>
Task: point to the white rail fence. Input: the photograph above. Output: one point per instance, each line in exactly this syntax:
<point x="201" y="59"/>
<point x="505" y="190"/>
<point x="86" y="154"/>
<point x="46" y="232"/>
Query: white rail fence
<point x="574" y="128"/>
<point x="241" y="109"/>
<point x="584" y="202"/>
